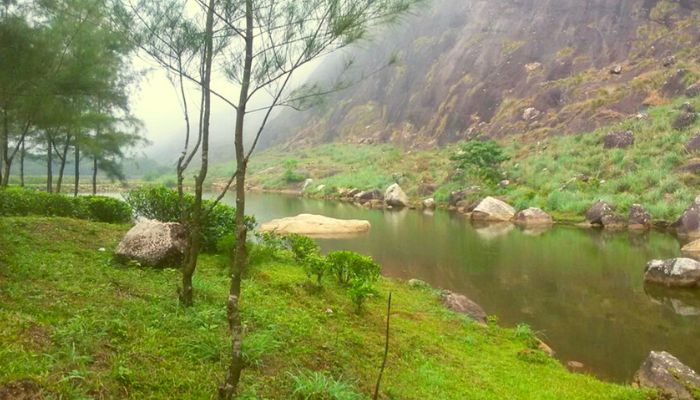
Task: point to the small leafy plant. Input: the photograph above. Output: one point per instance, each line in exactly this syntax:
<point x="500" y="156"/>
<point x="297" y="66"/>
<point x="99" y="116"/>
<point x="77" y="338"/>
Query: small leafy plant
<point x="481" y="158"/>
<point x="350" y="266"/>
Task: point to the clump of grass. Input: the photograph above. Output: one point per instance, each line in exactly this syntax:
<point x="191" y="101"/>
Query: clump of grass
<point x="314" y="385"/>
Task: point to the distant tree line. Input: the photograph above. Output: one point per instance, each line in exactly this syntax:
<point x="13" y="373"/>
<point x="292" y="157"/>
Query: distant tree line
<point x="64" y="82"/>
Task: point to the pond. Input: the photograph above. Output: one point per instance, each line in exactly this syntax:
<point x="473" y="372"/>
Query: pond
<point x="582" y="290"/>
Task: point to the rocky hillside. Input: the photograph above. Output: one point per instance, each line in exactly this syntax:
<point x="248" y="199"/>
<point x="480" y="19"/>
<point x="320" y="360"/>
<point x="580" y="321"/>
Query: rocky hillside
<point x="507" y="67"/>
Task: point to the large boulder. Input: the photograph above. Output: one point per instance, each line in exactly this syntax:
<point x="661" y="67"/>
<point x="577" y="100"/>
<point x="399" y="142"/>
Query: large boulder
<point x="429" y="204"/>
<point x="455" y="197"/>
<point x="689" y="223"/>
<point x="618" y="140"/>
<point x="316" y="225"/>
<point x="492" y="209"/>
<point x="395" y="196"/>
<point x="665" y="373"/>
<point x="639" y="217"/>
<point x="675" y="272"/>
<point x="460" y="303"/>
<point x="613" y="221"/>
<point x="154" y="243"/>
<point x="598" y="210"/>
<point x="533" y="216"/>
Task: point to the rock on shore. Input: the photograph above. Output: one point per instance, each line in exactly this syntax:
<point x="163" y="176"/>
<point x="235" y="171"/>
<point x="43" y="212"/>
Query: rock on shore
<point x="316" y="225"/>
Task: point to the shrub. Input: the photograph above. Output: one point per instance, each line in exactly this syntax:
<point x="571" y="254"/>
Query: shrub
<point x="349" y="266"/>
<point x="359" y="291"/>
<point x="302" y="247"/>
<point x="107" y="209"/>
<point x="483" y="158"/>
<point x="163" y="204"/>
<point x="20" y="201"/>
<point x="290" y="175"/>
<point x="315" y="265"/>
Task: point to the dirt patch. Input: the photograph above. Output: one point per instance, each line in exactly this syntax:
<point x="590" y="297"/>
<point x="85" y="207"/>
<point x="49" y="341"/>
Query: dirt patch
<point x="36" y="337"/>
<point x="25" y="389"/>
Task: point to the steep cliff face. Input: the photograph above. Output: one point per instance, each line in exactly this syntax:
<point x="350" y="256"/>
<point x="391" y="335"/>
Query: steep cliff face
<point x="508" y="67"/>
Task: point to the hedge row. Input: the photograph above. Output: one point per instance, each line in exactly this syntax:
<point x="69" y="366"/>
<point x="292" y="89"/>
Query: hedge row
<point x="16" y="201"/>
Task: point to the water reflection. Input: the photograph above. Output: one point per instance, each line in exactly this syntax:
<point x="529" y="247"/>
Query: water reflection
<point x="582" y="288"/>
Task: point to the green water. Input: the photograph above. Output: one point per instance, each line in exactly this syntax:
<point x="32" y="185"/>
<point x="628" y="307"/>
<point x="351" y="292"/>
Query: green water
<point x="582" y="290"/>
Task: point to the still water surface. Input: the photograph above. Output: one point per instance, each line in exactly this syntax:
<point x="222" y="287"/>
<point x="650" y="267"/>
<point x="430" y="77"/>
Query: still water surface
<point x="581" y="289"/>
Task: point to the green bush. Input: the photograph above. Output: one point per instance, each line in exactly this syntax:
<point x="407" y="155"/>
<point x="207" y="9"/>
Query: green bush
<point x="290" y="175"/>
<point x="315" y="265"/>
<point x="163" y="204"/>
<point x="482" y="158"/>
<point x="301" y="246"/>
<point x="349" y="267"/>
<point x="20" y="201"/>
<point x="107" y="209"/>
<point x="359" y="292"/>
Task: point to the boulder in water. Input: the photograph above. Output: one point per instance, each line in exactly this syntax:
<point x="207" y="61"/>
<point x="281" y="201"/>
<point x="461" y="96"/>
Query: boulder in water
<point x="429" y="204"/>
<point x="665" y="373"/>
<point x="395" y="196"/>
<point x="532" y="216"/>
<point x="154" y="243"/>
<point x="316" y="225"/>
<point x="492" y="209"/>
<point x="675" y="272"/>
<point x="639" y="217"/>
<point x="598" y="210"/>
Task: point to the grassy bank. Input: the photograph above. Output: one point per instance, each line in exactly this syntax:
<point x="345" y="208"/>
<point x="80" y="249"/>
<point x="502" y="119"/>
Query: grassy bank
<point x="83" y="327"/>
<point x="561" y="174"/>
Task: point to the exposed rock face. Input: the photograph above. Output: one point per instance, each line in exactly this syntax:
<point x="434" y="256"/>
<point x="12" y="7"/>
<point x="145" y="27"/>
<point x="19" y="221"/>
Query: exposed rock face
<point x="456" y="197"/>
<point x="595" y="214"/>
<point x="316" y="225"/>
<point x="689" y="223"/>
<point x="675" y="272"/>
<point x="684" y="120"/>
<point x="533" y="216"/>
<point x="462" y="304"/>
<point x="618" y="140"/>
<point x="613" y="221"/>
<point x="693" y="90"/>
<point x="429" y="204"/>
<point x="665" y="373"/>
<point x="531" y="113"/>
<point x="668" y="61"/>
<point x="687" y="107"/>
<point x="492" y="209"/>
<point x="616" y="69"/>
<point x="395" y="196"/>
<point x="693" y="144"/>
<point x="154" y="243"/>
<point x="639" y="217"/>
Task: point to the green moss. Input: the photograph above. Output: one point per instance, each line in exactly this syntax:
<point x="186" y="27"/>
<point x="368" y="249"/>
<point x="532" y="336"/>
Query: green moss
<point x="84" y="327"/>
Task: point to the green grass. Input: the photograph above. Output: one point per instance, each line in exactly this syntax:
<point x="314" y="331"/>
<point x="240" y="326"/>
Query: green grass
<point x="84" y="327"/>
<point x="544" y="173"/>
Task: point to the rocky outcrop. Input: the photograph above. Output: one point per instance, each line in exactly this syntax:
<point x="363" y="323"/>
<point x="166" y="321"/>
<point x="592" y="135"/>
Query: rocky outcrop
<point x="153" y="243"/>
<point x="639" y="218"/>
<point x="492" y="209"/>
<point x="429" y="204"/>
<point x="531" y="113"/>
<point x="316" y="225"/>
<point x="618" y="140"/>
<point x="460" y="303"/>
<point x="395" y="196"/>
<point x="684" y="120"/>
<point x="692" y="249"/>
<point x="665" y="373"/>
<point x="598" y="210"/>
<point x="613" y="221"/>
<point x="693" y="90"/>
<point x="367" y="195"/>
<point x="693" y="145"/>
<point x="675" y="272"/>
<point x="689" y="223"/>
<point x="532" y="216"/>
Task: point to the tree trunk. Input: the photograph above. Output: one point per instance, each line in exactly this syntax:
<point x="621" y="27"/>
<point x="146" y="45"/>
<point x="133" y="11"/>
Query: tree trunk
<point x="21" y="164"/>
<point x="94" y="175"/>
<point x="4" y="151"/>
<point x="63" y="157"/>
<point x="240" y="253"/>
<point x="195" y="227"/>
<point x="76" y="186"/>
<point x="49" y="163"/>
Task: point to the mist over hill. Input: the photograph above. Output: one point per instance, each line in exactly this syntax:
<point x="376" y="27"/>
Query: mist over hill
<point x="507" y="67"/>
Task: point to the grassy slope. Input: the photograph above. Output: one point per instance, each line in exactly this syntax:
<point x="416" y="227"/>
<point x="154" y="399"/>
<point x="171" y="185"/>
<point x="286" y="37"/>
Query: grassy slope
<point x="84" y="327"/>
<point x="648" y="173"/>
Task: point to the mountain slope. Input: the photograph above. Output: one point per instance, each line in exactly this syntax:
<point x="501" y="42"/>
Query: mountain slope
<point x="470" y="68"/>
